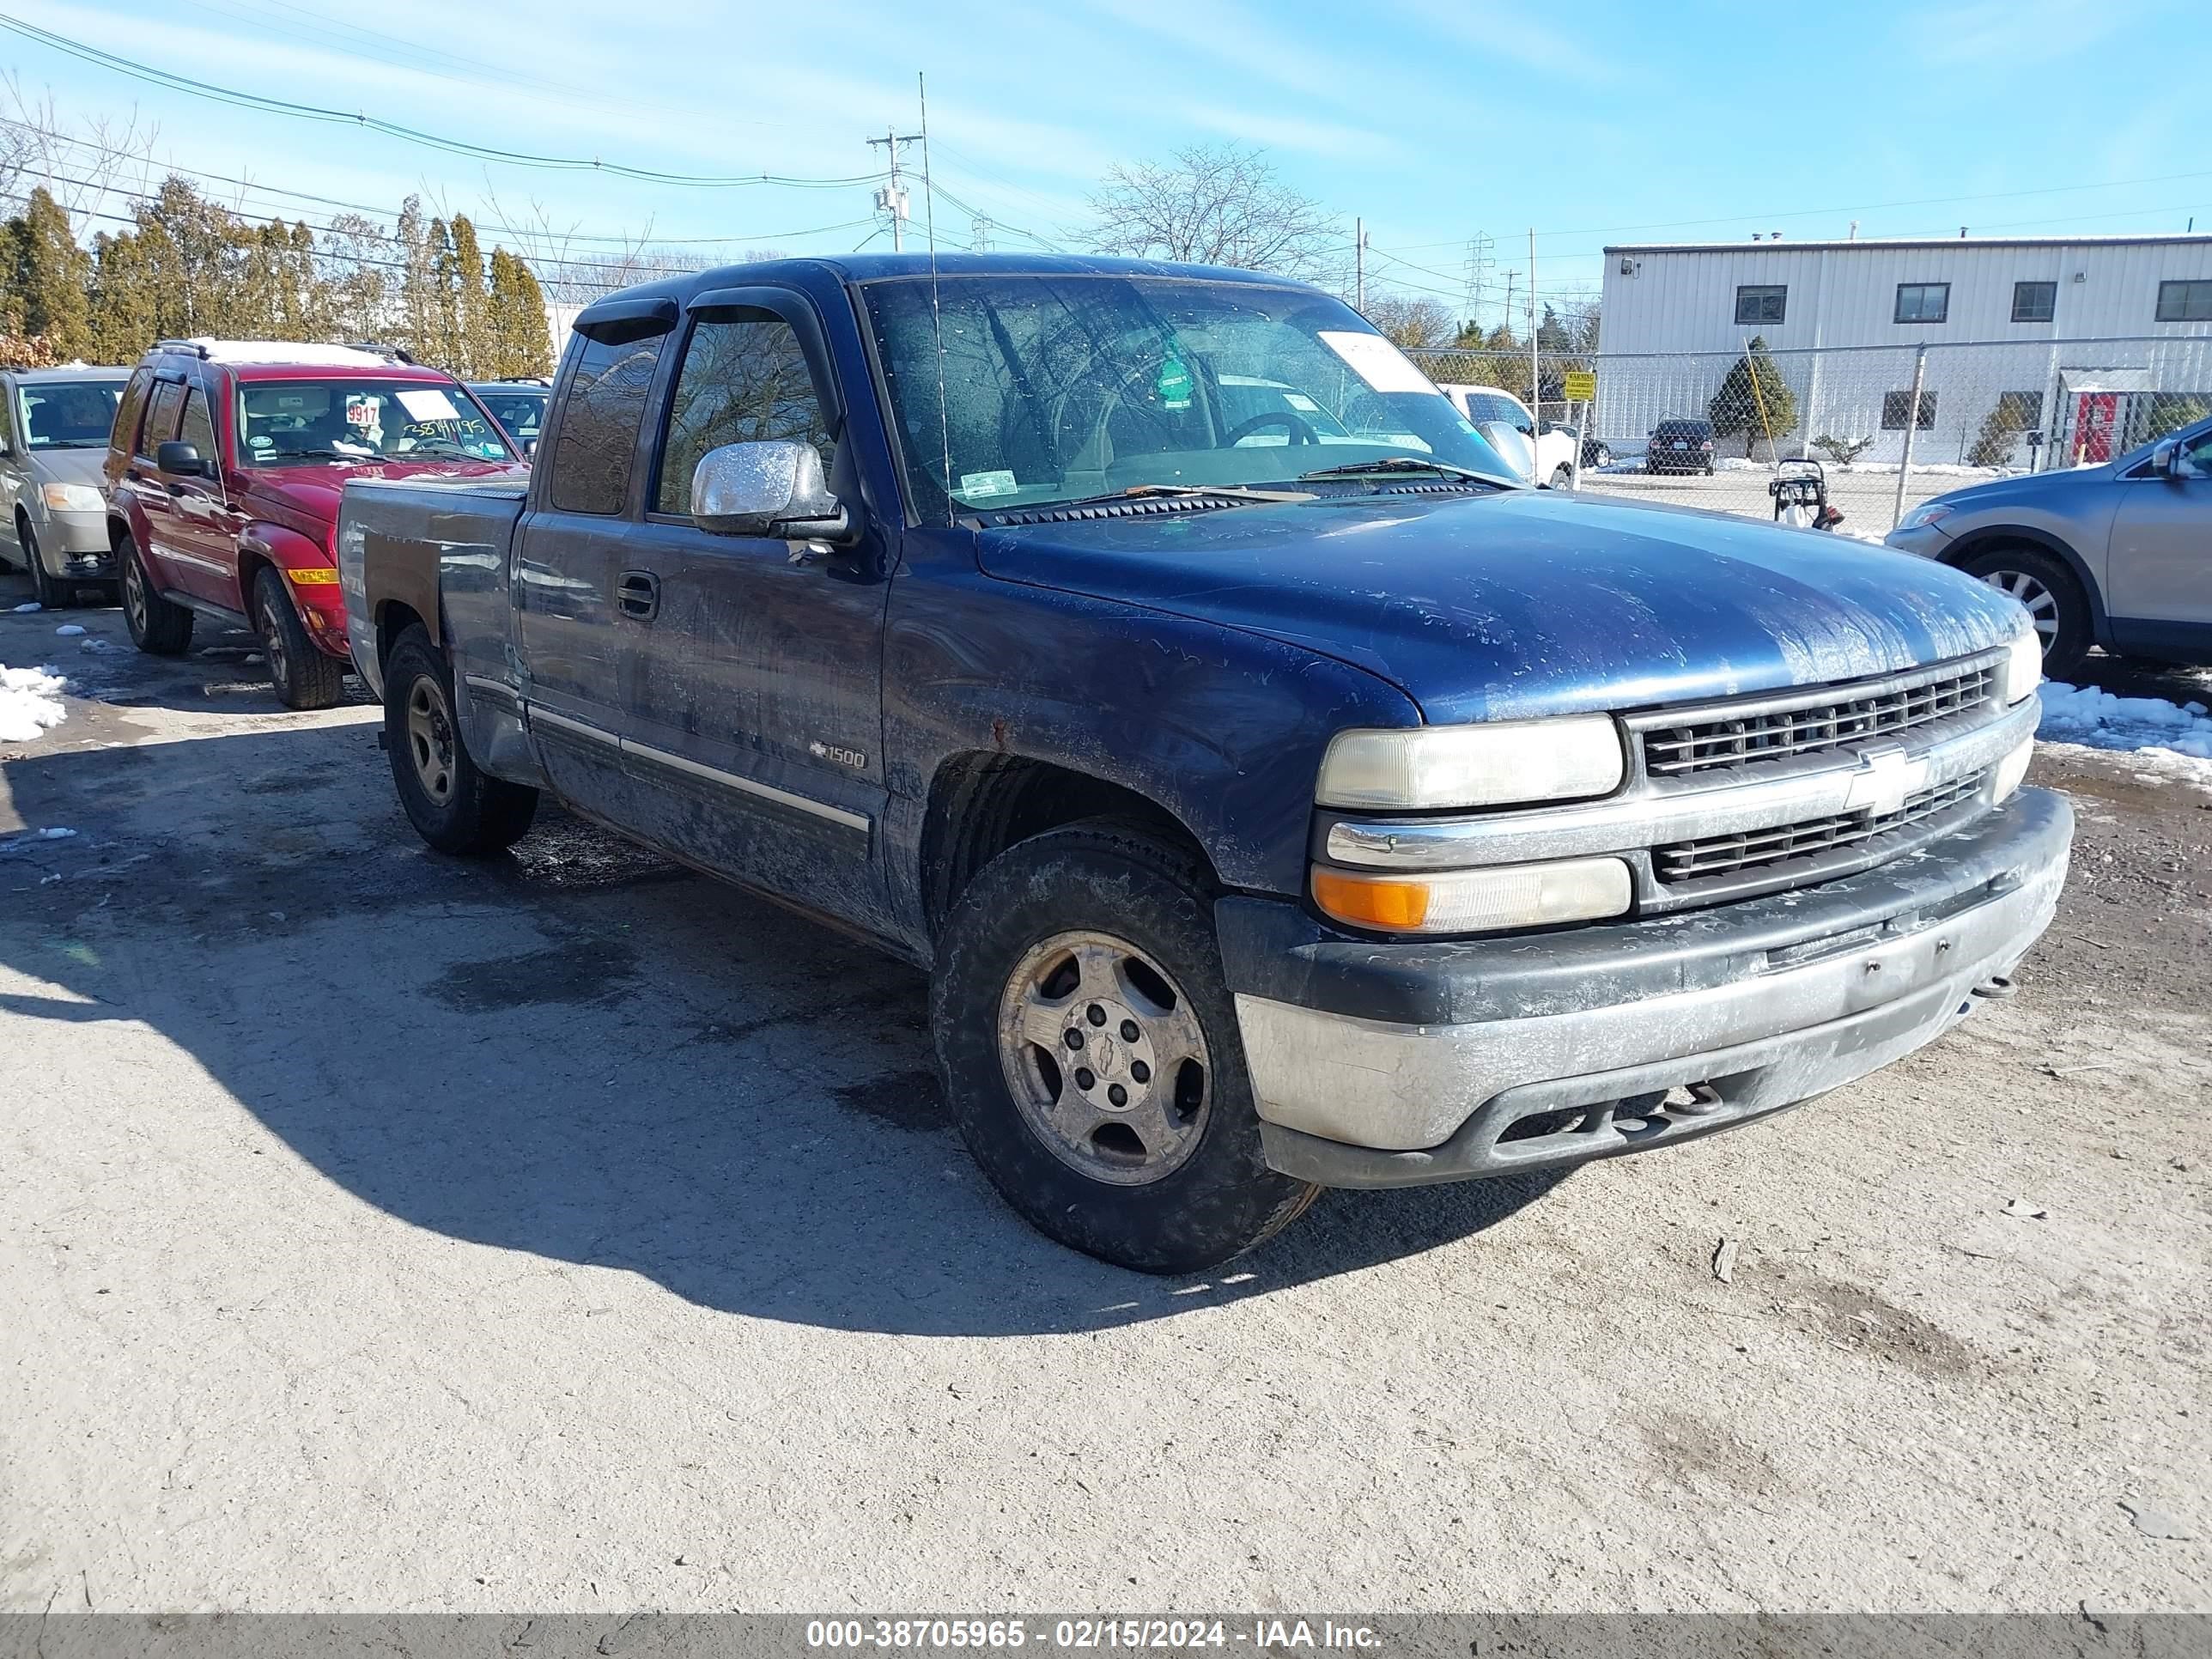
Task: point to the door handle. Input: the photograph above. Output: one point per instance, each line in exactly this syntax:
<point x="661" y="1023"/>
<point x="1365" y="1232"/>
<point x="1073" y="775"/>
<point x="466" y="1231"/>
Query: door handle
<point x="638" y="593"/>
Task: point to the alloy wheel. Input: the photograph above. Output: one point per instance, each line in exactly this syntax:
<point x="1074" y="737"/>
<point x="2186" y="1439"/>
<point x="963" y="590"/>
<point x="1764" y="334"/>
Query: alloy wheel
<point x="1105" y="1058"/>
<point x="430" y="740"/>
<point x="2040" y="603"/>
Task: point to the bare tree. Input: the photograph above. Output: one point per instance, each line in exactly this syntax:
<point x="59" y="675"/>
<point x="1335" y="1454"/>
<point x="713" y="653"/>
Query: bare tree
<point x="92" y="168"/>
<point x="1215" y="205"/>
<point x="1414" y="321"/>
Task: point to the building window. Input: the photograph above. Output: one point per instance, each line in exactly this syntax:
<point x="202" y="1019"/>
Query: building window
<point x="2185" y="302"/>
<point x="1894" y="404"/>
<point x="2033" y="302"/>
<point x="1761" y="305"/>
<point x="1923" y="302"/>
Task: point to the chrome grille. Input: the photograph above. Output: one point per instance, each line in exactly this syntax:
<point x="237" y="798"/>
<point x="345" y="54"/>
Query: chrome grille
<point x="1828" y="717"/>
<point x="1751" y="849"/>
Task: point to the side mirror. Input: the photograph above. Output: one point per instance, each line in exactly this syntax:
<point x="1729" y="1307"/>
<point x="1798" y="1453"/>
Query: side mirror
<point x="771" y="488"/>
<point x="529" y="449"/>
<point x="181" y="460"/>
<point x="2171" y="460"/>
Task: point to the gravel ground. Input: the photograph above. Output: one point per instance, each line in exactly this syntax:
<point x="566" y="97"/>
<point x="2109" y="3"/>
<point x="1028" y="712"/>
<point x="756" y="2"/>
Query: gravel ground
<point x="572" y="1233"/>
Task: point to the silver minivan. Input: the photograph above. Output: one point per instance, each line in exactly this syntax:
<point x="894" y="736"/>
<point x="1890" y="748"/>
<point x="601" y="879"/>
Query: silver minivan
<point x="54" y="424"/>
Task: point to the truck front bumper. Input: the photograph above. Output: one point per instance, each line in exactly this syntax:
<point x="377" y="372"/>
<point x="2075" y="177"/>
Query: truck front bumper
<point x="1405" y="1063"/>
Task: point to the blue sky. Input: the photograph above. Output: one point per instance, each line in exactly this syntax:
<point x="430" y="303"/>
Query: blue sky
<point x="1434" y="121"/>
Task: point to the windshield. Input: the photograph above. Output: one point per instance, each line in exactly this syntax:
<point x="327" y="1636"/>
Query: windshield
<point x="69" y="413"/>
<point x="294" y="422"/>
<point x="522" y="412"/>
<point x="1062" y="387"/>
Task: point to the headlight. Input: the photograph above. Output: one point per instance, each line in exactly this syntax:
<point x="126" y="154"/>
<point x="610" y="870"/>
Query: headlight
<point x="2023" y="667"/>
<point x="1920" y="517"/>
<point x="72" y="498"/>
<point x="1568" y="758"/>
<point x="1476" y="900"/>
<point x="2011" y="769"/>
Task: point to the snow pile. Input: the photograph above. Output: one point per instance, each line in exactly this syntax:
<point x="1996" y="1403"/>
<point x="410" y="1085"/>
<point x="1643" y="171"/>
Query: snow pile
<point x="2180" y="733"/>
<point x="26" y="609"/>
<point x="30" y="702"/>
<point x="70" y="630"/>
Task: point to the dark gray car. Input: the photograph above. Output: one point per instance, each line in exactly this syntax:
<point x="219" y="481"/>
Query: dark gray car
<point x="2119" y="555"/>
<point x="54" y="424"/>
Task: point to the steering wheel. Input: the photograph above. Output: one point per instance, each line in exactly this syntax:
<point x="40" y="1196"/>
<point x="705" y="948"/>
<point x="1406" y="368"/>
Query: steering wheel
<point x="1298" y="430"/>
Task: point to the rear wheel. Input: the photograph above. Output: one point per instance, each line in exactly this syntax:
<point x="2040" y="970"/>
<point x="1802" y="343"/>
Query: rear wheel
<point x="454" y="803"/>
<point x="2048" y="591"/>
<point x="305" y="677"/>
<point x="157" y="626"/>
<point x="1089" y="1050"/>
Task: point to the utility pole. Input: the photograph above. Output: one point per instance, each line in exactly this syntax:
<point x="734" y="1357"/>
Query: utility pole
<point x="1508" y="318"/>
<point x="1359" y="266"/>
<point x="892" y="199"/>
<point x="1535" y="385"/>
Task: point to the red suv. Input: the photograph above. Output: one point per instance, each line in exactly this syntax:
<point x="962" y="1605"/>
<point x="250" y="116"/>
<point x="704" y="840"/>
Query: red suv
<point x="223" y="475"/>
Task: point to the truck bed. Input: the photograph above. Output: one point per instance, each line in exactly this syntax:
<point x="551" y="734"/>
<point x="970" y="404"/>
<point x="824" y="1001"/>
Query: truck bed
<point x="418" y="542"/>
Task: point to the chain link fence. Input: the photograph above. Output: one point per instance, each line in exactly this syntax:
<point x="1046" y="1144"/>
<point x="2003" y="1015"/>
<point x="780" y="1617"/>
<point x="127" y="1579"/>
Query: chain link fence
<point x="1891" y="426"/>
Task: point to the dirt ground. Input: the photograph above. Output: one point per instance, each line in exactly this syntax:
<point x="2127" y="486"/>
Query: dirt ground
<point x="381" y="1232"/>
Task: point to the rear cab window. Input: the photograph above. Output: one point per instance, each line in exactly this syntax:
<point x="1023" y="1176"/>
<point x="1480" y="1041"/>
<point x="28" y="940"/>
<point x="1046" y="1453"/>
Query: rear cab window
<point x="602" y="413"/>
<point x="199" y="426"/>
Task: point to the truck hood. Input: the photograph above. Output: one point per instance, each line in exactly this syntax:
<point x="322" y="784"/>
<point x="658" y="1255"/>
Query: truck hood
<point x="1527" y="601"/>
<point x="314" y="491"/>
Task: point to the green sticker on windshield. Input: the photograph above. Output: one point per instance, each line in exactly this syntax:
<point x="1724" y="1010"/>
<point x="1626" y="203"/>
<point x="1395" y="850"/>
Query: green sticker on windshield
<point x="1174" y="382"/>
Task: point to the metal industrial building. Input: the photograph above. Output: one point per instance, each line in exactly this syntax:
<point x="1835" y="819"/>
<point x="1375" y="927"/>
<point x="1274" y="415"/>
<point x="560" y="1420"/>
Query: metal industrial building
<point x="2090" y="340"/>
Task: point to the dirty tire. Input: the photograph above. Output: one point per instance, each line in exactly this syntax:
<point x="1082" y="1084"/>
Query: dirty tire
<point x="157" y="626"/>
<point x="1117" y="881"/>
<point x="471" y="811"/>
<point x="305" y="676"/>
<point x="2053" y="598"/>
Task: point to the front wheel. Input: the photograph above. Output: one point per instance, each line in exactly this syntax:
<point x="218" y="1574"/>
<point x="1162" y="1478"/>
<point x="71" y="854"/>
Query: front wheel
<point x="50" y="594"/>
<point x="304" y="676"/>
<point x="1089" y="1050"/>
<point x="454" y="805"/>
<point x="2049" y="594"/>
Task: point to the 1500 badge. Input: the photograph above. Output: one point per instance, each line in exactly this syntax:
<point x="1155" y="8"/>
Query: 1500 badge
<point x="855" y="758"/>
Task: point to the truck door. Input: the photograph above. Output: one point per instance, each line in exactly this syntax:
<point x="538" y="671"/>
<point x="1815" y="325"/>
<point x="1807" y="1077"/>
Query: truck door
<point x="572" y="544"/>
<point x="203" y="525"/>
<point x="754" y="688"/>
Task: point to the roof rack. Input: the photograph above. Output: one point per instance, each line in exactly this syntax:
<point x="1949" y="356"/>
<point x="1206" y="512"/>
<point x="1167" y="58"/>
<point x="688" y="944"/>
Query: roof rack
<point x="197" y="348"/>
<point x="397" y="354"/>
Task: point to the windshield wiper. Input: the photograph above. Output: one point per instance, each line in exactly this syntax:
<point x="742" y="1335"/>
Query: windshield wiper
<point x="1172" y="492"/>
<point x="1397" y="463"/>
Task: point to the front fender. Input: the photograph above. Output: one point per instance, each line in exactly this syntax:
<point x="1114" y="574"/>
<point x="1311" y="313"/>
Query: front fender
<point x="311" y="577"/>
<point x="1223" y="729"/>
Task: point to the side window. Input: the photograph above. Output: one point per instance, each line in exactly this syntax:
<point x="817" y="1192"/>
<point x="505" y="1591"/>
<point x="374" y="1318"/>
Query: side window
<point x="162" y="417"/>
<point x="601" y="421"/>
<point x="743" y="380"/>
<point x="197" y="430"/>
<point x="126" y="415"/>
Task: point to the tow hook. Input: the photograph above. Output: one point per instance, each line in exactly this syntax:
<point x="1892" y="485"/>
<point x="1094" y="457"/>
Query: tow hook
<point x="1996" y="988"/>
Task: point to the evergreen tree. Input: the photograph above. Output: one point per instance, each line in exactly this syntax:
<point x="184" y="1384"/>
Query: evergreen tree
<point x="516" y="320"/>
<point x="1754" y="399"/>
<point x="417" y="310"/>
<point x="471" y="308"/>
<point x="48" y="278"/>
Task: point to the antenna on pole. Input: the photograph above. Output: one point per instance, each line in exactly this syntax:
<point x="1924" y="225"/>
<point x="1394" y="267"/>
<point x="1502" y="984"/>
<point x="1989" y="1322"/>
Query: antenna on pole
<point x="936" y="310"/>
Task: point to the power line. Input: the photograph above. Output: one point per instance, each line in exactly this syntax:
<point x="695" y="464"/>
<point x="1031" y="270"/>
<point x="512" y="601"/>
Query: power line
<point x="410" y="135"/>
<point x="203" y="176"/>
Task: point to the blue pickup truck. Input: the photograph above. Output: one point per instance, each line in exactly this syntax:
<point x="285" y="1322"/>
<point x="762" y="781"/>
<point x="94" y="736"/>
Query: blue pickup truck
<point x="1278" y="793"/>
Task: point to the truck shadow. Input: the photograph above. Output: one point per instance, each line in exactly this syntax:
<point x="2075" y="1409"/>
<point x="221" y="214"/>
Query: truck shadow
<point x="578" y="1051"/>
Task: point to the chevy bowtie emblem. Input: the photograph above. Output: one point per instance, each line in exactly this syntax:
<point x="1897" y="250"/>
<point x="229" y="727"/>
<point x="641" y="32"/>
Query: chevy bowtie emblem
<point x="1886" y="777"/>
